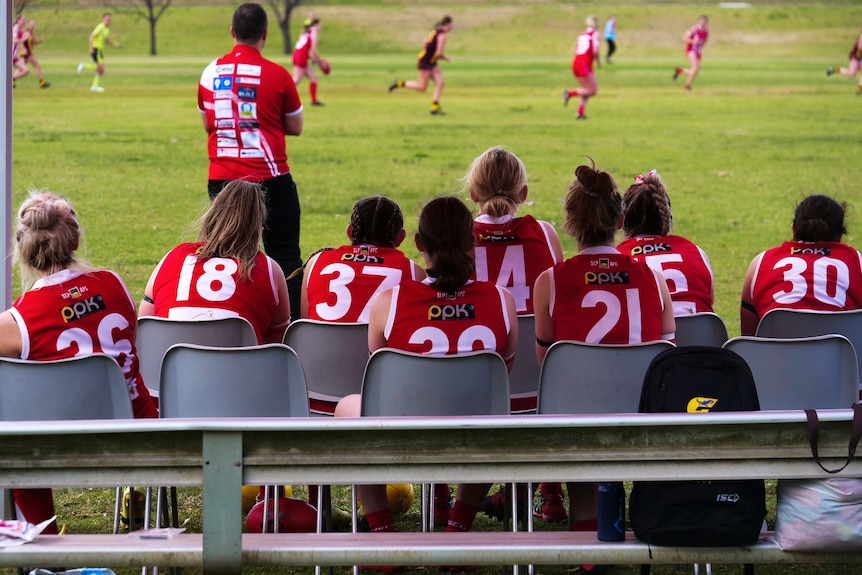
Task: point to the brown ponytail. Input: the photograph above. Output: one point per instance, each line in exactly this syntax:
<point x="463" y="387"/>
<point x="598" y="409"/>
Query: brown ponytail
<point x="646" y="207"/>
<point x="593" y="206"/>
<point x="446" y="234"/>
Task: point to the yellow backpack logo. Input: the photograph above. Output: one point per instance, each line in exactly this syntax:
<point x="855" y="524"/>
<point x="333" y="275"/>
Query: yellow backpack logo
<point x="700" y="404"/>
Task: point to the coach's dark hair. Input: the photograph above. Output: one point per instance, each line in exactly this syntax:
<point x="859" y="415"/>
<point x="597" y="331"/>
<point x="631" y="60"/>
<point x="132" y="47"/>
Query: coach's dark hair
<point x="819" y="218"/>
<point x="249" y="22"/>
<point x="446" y="235"/>
<point x="646" y="208"/>
<point x="376" y="221"/>
<point x="593" y="207"/>
<point x="443" y="21"/>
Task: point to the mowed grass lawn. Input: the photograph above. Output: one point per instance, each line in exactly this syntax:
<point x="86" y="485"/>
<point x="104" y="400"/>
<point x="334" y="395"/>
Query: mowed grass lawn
<point x="762" y="128"/>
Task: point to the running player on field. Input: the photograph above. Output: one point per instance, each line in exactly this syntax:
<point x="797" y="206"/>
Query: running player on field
<point x="854" y="65"/>
<point x="305" y="54"/>
<point x="695" y="39"/>
<point x="428" y="64"/>
<point x="599" y="296"/>
<point x="30" y="58"/>
<point x="647" y="222"/>
<point x="98" y="39"/>
<point x="586" y="53"/>
<point x="815" y="271"/>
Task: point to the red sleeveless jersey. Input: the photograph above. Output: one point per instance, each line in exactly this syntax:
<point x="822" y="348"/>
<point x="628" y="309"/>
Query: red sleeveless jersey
<point x="819" y="276"/>
<point x="512" y="254"/>
<point x="342" y="282"/>
<point x="683" y="265"/>
<point x="606" y="298"/>
<point x="72" y="313"/>
<point x="188" y="288"/>
<point x="425" y="320"/>
<point x="585" y="52"/>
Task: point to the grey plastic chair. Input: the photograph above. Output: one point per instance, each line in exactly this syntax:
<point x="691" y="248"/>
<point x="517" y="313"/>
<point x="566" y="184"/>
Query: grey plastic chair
<point x="333" y="357"/>
<point x="818" y="372"/>
<point x="254" y="381"/>
<point x="400" y="383"/>
<point x="84" y="387"/>
<point x="208" y="381"/>
<point x="582" y="378"/>
<point x="785" y="323"/>
<point x="704" y="328"/>
<point x="156" y="334"/>
<point x="524" y="377"/>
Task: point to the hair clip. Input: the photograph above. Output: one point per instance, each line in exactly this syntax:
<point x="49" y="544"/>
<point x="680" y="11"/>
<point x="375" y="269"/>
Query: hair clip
<point x="639" y="179"/>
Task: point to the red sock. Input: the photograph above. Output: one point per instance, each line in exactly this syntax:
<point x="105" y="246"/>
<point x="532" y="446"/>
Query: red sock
<point x="584" y="525"/>
<point x="36" y="506"/>
<point x="381" y="521"/>
<point x="581" y="110"/>
<point x="461" y="518"/>
<point x="441" y="491"/>
<point x="313" y="89"/>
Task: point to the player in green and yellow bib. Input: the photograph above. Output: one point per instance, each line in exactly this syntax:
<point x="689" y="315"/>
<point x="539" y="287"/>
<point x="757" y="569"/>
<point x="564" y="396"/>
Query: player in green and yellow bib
<point x="98" y="39"/>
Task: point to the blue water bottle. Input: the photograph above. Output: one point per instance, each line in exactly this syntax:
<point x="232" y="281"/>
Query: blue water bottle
<point x="612" y="509"/>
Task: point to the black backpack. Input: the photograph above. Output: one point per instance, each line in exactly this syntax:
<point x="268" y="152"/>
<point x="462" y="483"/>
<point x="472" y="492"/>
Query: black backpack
<point x="698" y="513"/>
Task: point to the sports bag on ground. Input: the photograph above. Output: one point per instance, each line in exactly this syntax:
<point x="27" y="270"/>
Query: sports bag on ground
<point x="698" y="513"/>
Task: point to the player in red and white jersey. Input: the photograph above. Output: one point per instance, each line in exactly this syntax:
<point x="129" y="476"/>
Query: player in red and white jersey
<point x="510" y="251"/>
<point x="445" y="314"/>
<point x="815" y="271"/>
<point x="586" y="53"/>
<point x="695" y="39"/>
<point x="224" y="273"/>
<point x="305" y="54"/>
<point x="647" y="222"/>
<point x="598" y="296"/>
<point x="248" y="105"/>
<point x="68" y="309"/>
<point x="340" y="283"/>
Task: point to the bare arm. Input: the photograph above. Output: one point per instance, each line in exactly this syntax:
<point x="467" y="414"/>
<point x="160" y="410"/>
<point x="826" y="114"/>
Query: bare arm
<point x="148" y="307"/>
<point x="542" y="311"/>
<point x="303" y="298"/>
<point x="441" y="41"/>
<point x="292" y="123"/>
<point x="512" y="341"/>
<point x="554" y="240"/>
<point x="748" y="318"/>
<point x="668" y="324"/>
<point x="10" y="336"/>
<point x="281" y="317"/>
<point x="378" y="317"/>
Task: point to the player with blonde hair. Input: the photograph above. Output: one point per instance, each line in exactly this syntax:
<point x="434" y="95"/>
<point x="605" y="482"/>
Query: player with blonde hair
<point x="68" y="309"/>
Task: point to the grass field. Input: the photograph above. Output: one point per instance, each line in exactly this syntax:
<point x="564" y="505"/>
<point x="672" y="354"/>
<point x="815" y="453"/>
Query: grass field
<point x="763" y="126"/>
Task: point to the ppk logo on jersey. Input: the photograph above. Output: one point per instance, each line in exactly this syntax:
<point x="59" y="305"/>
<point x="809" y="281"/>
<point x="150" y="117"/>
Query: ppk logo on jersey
<point x="451" y="311"/>
<point x="82" y="308"/>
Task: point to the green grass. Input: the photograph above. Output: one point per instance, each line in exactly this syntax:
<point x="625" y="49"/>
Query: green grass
<point x="763" y="127"/>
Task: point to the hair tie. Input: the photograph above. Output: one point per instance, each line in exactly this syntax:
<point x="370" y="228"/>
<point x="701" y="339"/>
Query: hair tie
<point x="639" y="179"/>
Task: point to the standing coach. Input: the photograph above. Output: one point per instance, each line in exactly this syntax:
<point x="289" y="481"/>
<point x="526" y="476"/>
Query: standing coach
<point x="248" y="105"/>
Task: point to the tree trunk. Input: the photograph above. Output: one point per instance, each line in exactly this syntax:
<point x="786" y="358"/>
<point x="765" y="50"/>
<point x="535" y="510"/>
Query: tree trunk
<point x="285" y="32"/>
<point x="152" y="36"/>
